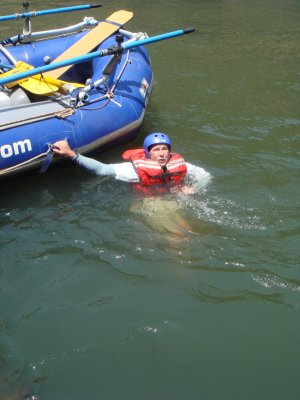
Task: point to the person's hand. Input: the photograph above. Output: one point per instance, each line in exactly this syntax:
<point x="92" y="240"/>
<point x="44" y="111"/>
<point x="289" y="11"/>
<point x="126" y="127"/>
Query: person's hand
<point x="187" y="189"/>
<point x="63" y="149"/>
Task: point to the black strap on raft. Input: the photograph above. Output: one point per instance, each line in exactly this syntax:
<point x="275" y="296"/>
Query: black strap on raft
<point x="48" y="160"/>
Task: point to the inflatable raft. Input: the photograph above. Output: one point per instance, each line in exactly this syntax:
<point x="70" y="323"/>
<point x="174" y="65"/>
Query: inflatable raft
<point x="94" y="103"/>
<point x="88" y="84"/>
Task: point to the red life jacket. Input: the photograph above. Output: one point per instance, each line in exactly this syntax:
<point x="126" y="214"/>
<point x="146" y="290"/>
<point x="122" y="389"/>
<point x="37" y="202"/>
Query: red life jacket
<point x="151" y="173"/>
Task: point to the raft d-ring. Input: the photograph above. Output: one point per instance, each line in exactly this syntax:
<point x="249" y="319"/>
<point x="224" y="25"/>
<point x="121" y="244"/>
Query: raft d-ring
<point x="110" y="94"/>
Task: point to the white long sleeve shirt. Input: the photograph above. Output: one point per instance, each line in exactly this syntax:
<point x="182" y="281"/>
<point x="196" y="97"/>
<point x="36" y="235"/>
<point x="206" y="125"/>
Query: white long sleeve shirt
<point x="125" y="171"/>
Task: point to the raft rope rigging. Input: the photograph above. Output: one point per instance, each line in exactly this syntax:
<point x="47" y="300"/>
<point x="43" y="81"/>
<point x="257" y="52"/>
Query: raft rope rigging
<point x="72" y="107"/>
<point x="16" y="167"/>
<point x="110" y="93"/>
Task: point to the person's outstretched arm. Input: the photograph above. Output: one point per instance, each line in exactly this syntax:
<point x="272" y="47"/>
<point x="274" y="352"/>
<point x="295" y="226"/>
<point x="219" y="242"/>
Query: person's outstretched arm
<point x="63" y="149"/>
<point x="122" y="171"/>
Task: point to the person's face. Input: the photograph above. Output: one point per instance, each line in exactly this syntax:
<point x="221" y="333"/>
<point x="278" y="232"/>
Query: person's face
<point x="160" y="153"/>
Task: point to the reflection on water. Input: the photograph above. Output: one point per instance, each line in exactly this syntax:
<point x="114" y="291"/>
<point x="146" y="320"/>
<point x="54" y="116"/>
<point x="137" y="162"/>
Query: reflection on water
<point x="17" y="379"/>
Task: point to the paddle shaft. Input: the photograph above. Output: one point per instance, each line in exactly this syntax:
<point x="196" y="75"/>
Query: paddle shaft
<point x="156" y="38"/>
<point x="87" y="57"/>
<point x="47" y="12"/>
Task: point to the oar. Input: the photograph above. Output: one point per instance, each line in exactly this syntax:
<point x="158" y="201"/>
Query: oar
<point x="47" y="12"/>
<point x="92" y="39"/>
<point x="90" y="56"/>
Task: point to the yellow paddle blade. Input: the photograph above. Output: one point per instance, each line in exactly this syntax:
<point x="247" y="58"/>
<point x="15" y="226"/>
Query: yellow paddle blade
<point x="19" y="67"/>
<point x="38" y="84"/>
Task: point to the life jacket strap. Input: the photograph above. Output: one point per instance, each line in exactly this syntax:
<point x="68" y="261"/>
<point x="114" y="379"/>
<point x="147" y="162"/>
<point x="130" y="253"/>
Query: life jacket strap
<point x="166" y="175"/>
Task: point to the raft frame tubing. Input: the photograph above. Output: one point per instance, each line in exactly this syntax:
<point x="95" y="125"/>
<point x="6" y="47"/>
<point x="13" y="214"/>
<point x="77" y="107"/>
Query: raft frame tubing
<point x="91" y="56"/>
<point x="87" y="22"/>
<point x="47" y="12"/>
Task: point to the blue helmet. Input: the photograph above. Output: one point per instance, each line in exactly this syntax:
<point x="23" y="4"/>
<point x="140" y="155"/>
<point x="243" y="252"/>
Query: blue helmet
<point x="156" y="138"/>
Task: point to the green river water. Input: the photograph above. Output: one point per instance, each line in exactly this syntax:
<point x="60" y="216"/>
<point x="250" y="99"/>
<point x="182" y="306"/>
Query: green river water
<point x="100" y="299"/>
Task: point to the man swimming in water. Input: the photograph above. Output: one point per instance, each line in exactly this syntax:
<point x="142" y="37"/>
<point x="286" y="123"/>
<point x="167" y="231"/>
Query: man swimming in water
<point x="153" y="166"/>
<point x="152" y="170"/>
